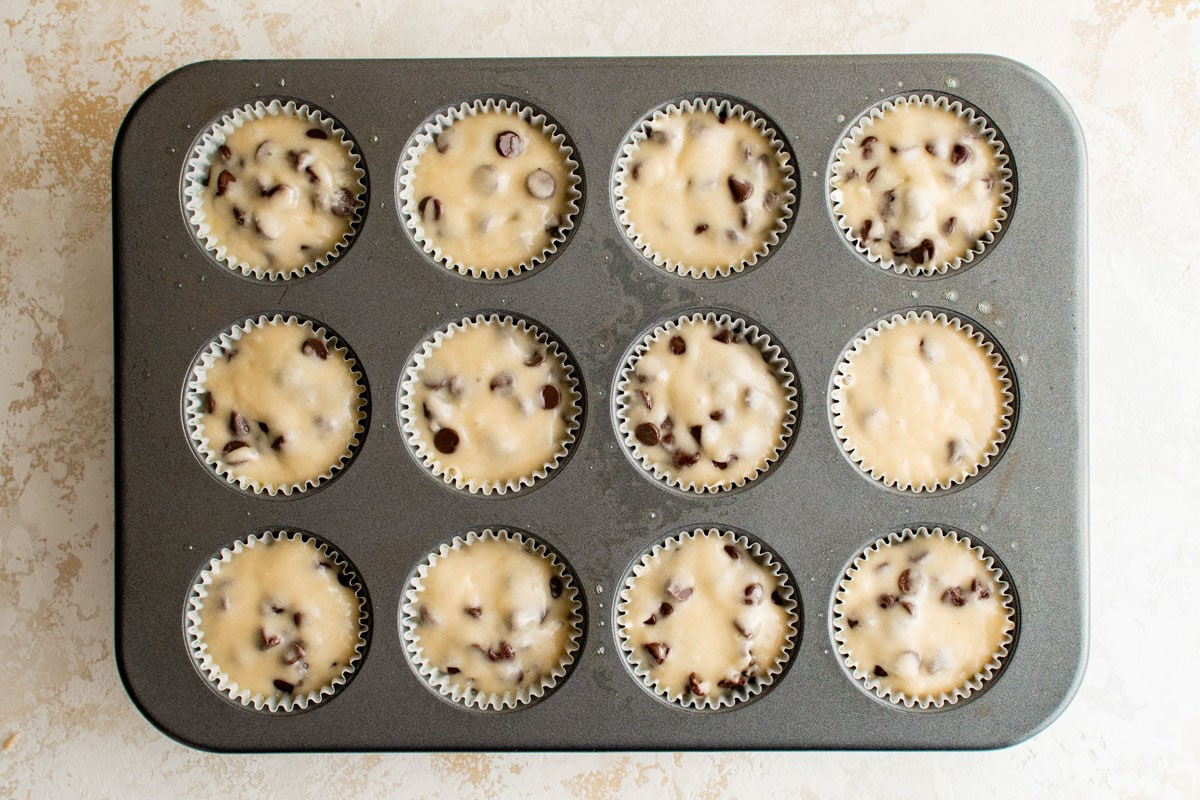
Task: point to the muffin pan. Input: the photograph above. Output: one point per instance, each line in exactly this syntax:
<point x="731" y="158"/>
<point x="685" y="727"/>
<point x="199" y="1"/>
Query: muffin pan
<point x="597" y="295"/>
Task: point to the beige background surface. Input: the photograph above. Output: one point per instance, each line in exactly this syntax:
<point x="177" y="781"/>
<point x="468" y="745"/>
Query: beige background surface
<point x="68" y="72"/>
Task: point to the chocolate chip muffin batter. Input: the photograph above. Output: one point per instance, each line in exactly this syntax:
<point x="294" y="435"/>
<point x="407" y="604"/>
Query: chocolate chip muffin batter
<point x="922" y="618"/>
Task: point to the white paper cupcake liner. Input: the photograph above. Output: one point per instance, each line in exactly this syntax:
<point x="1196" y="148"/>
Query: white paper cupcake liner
<point x="777" y="362"/>
<point x="731" y="696"/>
<point x="438" y="679"/>
<point x="407" y="203"/>
<point x="718" y="106"/>
<point x="872" y="684"/>
<point x="196" y="177"/>
<point x="976" y="121"/>
<point x="992" y="353"/>
<point x="412" y="423"/>
<point x="225" y="685"/>
<point x="194" y="395"/>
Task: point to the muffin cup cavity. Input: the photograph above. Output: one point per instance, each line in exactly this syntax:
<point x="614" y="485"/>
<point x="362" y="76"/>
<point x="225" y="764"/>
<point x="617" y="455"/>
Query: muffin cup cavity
<point x="416" y="611"/>
<point x="909" y="454"/>
<point x="342" y="208"/>
<point x="778" y="204"/>
<point x="907" y="583"/>
<point x="242" y="449"/>
<point x="894" y="219"/>
<point x="418" y="211"/>
<point x="208" y="587"/>
<point x="725" y="550"/>
<point x="687" y="442"/>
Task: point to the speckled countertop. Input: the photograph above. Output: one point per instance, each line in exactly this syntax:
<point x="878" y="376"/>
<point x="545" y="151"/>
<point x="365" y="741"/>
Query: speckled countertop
<point x="70" y="71"/>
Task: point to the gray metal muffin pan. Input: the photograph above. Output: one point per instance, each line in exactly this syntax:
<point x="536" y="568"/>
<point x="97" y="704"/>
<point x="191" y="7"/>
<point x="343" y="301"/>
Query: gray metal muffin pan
<point x="815" y="510"/>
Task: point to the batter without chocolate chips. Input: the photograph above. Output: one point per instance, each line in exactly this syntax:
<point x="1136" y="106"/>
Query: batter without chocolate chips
<point x="922" y="617"/>
<point x="281" y="193"/>
<point x="493" y="616"/>
<point x="920" y="186"/>
<point x="705" y="190"/>
<point x="277" y="621"/>
<point x="280" y="406"/>
<point x="705" y="618"/>
<point x="703" y="406"/>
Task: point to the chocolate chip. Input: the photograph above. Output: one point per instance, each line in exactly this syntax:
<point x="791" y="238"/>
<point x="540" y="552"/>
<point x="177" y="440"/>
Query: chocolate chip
<point x="650" y="620"/>
<point x="474" y="611"/>
<point x="732" y="683"/>
<point x="701" y="228"/>
<point x="668" y="438"/>
<point x="342" y="204"/>
<point x="695" y="431"/>
<point x="635" y="170"/>
<point x="313" y="177"/>
<point x="745" y="632"/>
<point x="980" y="589"/>
<point x="678" y="591"/>
<point x="277" y="609"/>
<point x="224" y="152"/>
<point x="777" y="597"/>
<point x="733" y="552"/>
<point x="910" y="581"/>
<point x="726" y="336"/>
<point x="269" y="640"/>
<point x="657" y="650"/>
<point x="657" y="136"/>
<point x="960" y="154"/>
<point x="885" y="208"/>
<point x="678" y="345"/>
<point x="501" y="652"/>
<point x="262" y="426"/>
<point x="223" y="181"/>
<point x="722" y="116"/>
<point x="954" y="596"/>
<point x="896" y="240"/>
<point x="239" y="216"/>
<point x="720" y="464"/>
<point x="452" y="670"/>
<point x="298" y="619"/>
<point x="752" y="594"/>
<point x="551" y="397"/>
<point x="501" y="383"/>
<point x="930" y="148"/>
<point x="695" y="686"/>
<point x="430" y="209"/>
<point x="647" y="399"/>
<point x="852" y="622"/>
<point x="535" y="358"/>
<point x="683" y="459"/>
<point x="233" y="445"/>
<point x="238" y="425"/>
<point x="666" y="609"/>
<point x="294" y="653"/>
<point x="510" y="144"/>
<point x="446" y="440"/>
<point x="880" y="672"/>
<point x="279" y="442"/>
<point x="909" y="606"/>
<point x="716" y="416"/>
<point x="871" y="174"/>
<point x="923" y="252"/>
<point x="284" y="686"/>
<point x="646" y="433"/>
<point x="315" y="347"/>
<point x="865" y="230"/>
<point x="210" y="404"/>
<point x="948" y="225"/>
<point x="316" y="133"/>
<point x="301" y="160"/>
<point x="741" y="190"/>
<point x="887" y="600"/>
<point x="867" y="149"/>
<point x="556" y="587"/>
<point x="541" y="184"/>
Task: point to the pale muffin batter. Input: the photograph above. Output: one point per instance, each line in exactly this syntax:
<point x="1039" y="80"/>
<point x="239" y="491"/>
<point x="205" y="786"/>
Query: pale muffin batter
<point x="281" y="193"/>
<point x="280" y="407"/>
<point x="706" y="618"/>
<point x="705" y="190"/>
<point x="922" y="618"/>
<point x="277" y="621"/>
<point x="704" y="407"/>
<point x="921" y="405"/>
<point x="491" y="193"/>
<point x="491" y="406"/>
<point x="919" y="186"/>
<point x="493" y="616"/>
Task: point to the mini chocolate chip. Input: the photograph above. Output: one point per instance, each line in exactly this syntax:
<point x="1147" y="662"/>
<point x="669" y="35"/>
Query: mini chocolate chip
<point x="732" y="683"/>
<point x="865" y="230"/>
<point x="446" y="440"/>
<point x="885" y="208"/>
<point x="315" y="347"/>
<point x="647" y="399"/>
<point x="657" y="650"/>
<point x="717" y="416"/>
<point x="741" y="190"/>
<point x="501" y="652"/>
<point x="733" y="552"/>
<point x="262" y="426"/>
<point x="635" y="170"/>
<point x="896" y="240"/>
<point x="668" y="438"/>
<point x="680" y="593"/>
<point x="701" y="228"/>
<point x="284" y="686"/>
<point x="238" y="425"/>
<point x="722" y="116"/>
<point x="294" y="653"/>
<point x="224" y="152"/>
<point x="960" y="154"/>
<point x="745" y="219"/>
<point x="239" y="216"/>
<point x="777" y="597"/>
<point x="726" y="336"/>
<point x="910" y="580"/>
<point x="646" y="433"/>
<point x="867" y="150"/>
<point x="954" y="596"/>
<point x="980" y="589"/>
<point x="657" y="136"/>
<point x="695" y="431"/>
<point x="551" y="397"/>
<point x="683" y="459"/>
<point x="452" y="670"/>
<point x="501" y="383"/>
<point x="535" y="358"/>
<point x="887" y="600"/>
<point x="233" y="445"/>
<point x="678" y="345"/>
<point x="474" y="611"/>
<point x="223" y="181"/>
<point x="880" y="672"/>
<point x="923" y="252"/>
<point x="430" y="209"/>
<point x="893" y="149"/>
<point x="556" y="587"/>
<point x="342" y="204"/>
<point x="313" y="177"/>
<point x="210" y="404"/>
<point x="909" y="606"/>
<point x="852" y="622"/>
<point x="930" y="148"/>
<point x="752" y="594"/>
<point x="298" y="619"/>
<point x="695" y="686"/>
<point x="720" y="464"/>
<point x="316" y="133"/>
<point x="274" y="190"/>
<point x="745" y="632"/>
<point x="871" y="174"/>
<point x="510" y="144"/>
<point x="948" y="225"/>
<point x="650" y="620"/>
<point x="541" y="184"/>
<point x="666" y="609"/>
<point x="269" y="640"/>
